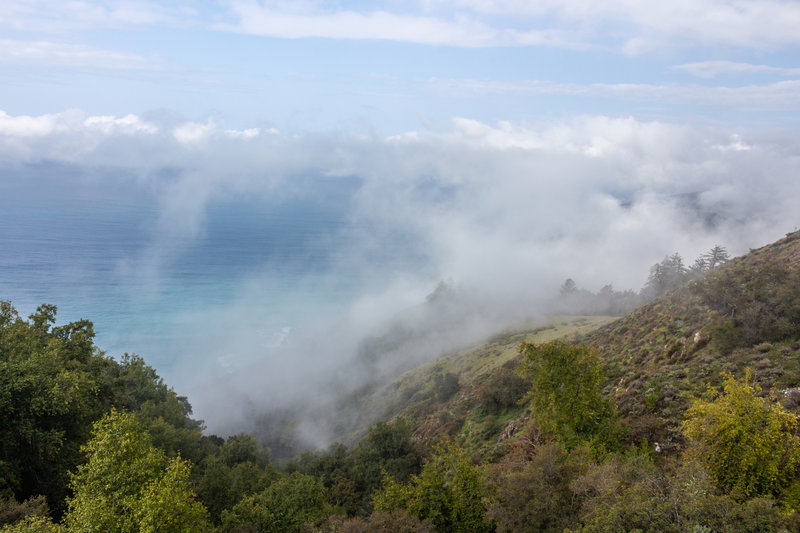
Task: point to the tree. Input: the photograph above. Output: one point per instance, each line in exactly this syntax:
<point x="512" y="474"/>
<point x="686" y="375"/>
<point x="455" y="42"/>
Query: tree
<point x="389" y="449"/>
<point x="34" y="524"/>
<point x="535" y="495"/>
<point x="449" y="492"/>
<point x="749" y="444"/>
<point x="289" y="504"/>
<point x="54" y="384"/>
<point x="666" y="275"/>
<point x="128" y="485"/>
<point x="568" y="287"/>
<point x="716" y="256"/>
<point x="698" y="267"/>
<point x="566" y="395"/>
<point x="50" y="393"/>
<point x="235" y="473"/>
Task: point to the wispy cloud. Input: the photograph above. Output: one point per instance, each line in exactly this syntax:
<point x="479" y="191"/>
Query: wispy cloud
<point x="630" y="27"/>
<point x="644" y="26"/>
<point x="50" y="16"/>
<point x="711" y="69"/>
<point x="778" y="95"/>
<point x="257" y="19"/>
<point x="72" y="55"/>
<point x="623" y="25"/>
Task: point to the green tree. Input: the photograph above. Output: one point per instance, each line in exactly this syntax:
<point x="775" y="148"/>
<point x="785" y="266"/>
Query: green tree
<point x="34" y="524"/>
<point x="50" y="393"/>
<point x="388" y="449"/>
<point x="54" y="384"/>
<point x="289" y="504"/>
<point x="128" y="485"/>
<point x="221" y="486"/>
<point x="566" y="396"/>
<point x="449" y="492"/>
<point x="748" y="443"/>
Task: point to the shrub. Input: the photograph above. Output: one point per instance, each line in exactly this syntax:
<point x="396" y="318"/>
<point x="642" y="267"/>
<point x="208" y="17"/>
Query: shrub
<point x="747" y="443"/>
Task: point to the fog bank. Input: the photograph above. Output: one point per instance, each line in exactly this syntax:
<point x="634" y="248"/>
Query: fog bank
<point x="501" y="213"/>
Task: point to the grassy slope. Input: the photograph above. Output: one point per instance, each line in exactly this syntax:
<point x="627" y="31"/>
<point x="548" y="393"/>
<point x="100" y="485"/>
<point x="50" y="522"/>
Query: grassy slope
<point x="662" y="355"/>
<point x="418" y="394"/>
<point x="657" y="357"/>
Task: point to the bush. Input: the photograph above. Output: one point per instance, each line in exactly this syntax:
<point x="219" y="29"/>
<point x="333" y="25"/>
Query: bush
<point x="449" y="492"/>
<point x="747" y="443"/>
<point x="504" y="389"/>
<point x="446" y="386"/>
<point x="567" y="397"/>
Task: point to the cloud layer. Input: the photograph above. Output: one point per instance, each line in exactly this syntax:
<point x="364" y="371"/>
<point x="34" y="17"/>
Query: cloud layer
<point x="502" y="212"/>
<point x="512" y="187"/>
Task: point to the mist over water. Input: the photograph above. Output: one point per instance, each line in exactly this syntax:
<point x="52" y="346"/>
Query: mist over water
<point x="260" y="272"/>
<point x="87" y="244"/>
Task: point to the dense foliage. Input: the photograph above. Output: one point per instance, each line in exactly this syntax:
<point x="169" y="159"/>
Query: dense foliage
<point x="128" y="485"/>
<point x="749" y="444"/>
<point x="567" y="397"/>
<point x="449" y="492"/>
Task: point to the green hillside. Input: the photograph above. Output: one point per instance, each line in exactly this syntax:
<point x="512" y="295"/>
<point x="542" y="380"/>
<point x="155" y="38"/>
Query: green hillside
<point x="743" y="314"/>
<point x="471" y="395"/>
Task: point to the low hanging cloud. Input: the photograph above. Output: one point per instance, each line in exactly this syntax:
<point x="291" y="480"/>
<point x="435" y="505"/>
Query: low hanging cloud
<point x="508" y="181"/>
<point x="501" y="213"/>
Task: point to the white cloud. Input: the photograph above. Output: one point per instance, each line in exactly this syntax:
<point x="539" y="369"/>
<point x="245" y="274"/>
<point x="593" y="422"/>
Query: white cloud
<point x="27" y="126"/>
<point x="751" y="24"/>
<point x="130" y="124"/>
<point x="59" y="16"/>
<point x="71" y="55"/>
<point x="630" y="26"/>
<point x="259" y="20"/>
<point x="711" y="69"/>
<point x="194" y="132"/>
<point x="506" y="211"/>
<point x="248" y="133"/>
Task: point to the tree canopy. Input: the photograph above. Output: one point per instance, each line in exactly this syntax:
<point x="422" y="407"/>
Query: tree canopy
<point x="566" y="395"/>
<point x="449" y="492"/>
<point x="128" y="485"/>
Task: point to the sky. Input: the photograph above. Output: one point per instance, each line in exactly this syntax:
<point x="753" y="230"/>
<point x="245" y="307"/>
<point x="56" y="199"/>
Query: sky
<point x="389" y="66"/>
<point x="500" y="146"/>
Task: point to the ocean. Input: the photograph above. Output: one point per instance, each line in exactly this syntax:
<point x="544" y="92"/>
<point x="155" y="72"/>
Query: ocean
<point x="195" y="294"/>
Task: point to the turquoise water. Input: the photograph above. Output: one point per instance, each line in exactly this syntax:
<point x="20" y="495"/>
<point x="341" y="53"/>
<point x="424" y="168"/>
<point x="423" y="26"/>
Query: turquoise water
<point x="94" y="244"/>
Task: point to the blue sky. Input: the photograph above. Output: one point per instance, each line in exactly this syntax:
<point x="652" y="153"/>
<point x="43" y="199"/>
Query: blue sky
<point x="391" y="66"/>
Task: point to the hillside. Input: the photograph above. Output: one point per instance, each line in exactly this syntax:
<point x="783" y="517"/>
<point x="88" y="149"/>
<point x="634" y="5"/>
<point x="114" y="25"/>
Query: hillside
<point x="743" y="314"/>
<point x="640" y="438"/>
<point x="471" y="395"/>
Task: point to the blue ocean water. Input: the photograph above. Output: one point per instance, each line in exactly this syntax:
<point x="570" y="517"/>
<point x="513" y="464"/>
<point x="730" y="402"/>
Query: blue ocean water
<point x="84" y="241"/>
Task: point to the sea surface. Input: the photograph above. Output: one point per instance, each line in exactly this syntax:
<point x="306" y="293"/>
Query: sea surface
<point x="194" y="294"/>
